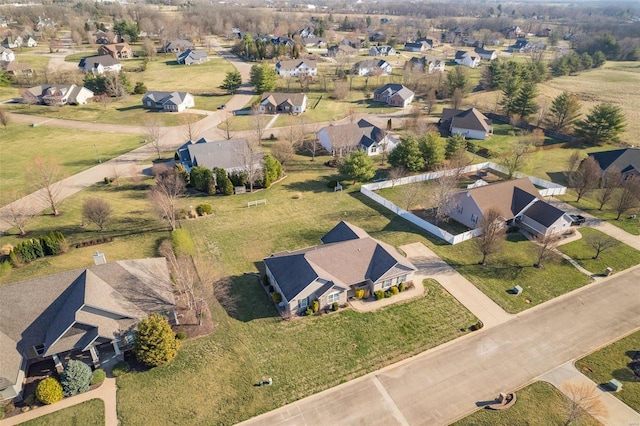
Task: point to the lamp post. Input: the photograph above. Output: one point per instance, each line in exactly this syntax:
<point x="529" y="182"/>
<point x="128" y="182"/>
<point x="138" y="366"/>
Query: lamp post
<point x="97" y="155"/>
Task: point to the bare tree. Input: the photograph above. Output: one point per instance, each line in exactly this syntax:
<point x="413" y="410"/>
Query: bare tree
<point x="18" y="214"/>
<point x="600" y="243"/>
<point x="442" y="190"/>
<point x="283" y="152"/>
<point x="295" y="131"/>
<point x="257" y="122"/>
<point x="97" y="211"/>
<point x="168" y="187"/>
<point x="340" y="90"/>
<point x="5" y="118"/>
<point x="611" y="179"/>
<point x="313" y="146"/>
<point x="586" y="177"/>
<point x="582" y="401"/>
<point x="546" y="245"/>
<point x="514" y="160"/>
<point x="183" y="271"/>
<point x="627" y="196"/>
<point x="493" y="234"/>
<point x="410" y="193"/>
<point x="46" y="176"/>
<point x="573" y="162"/>
<point x="396" y="173"/>
<point x="251" y="157"/>
<point x="153" y="134"/>
<point x="190" y="126"/>
<point x="456" y="99"/>
<point x="226" y="127"/>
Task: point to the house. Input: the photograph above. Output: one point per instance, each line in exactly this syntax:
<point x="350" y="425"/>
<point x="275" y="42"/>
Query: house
<point x="372" y="67"/>
<point x="288" y="103"/>
<point x="316" y="42"/>
<point x="106" y="37"/>
<point x="513" y="31"/>
<point x="167" y="101"/>
<point x="395" y="95"/>
<point x="431" y="42"/>
<point x="471" y="123"/>
<point x="15" y="68"/>
<point x="12" y="42"/>
<point x="626" y="160"/>
<point x="377" y="36"/>
<point x="521" y="45"/>
<point x="518" y="202"/>
<point x="343" y="138"/>
<point x="45" y="23"/>
<point x="381" y="51"/>
<point x="467" y="59"/>
<point x="296" y="68"/>
<point x="82" y="312"/>
<point x="341" y="50"/>
<point x="177" y="46"/>
<point x="416" y="46"/>
<point x="347" y="260"/>
<point x="98" y="65"/>
<point x="189" y="57"/>
<point x="6" y="55"/>
<point x="31" y="42"/>
<point x="116" y="51"/>
<point x="428" y="64"/>
<point x="57" y="95"/>
<point x="356" y="43"/>
<point x="487" y="55"/>
<point x="231" y="155"/>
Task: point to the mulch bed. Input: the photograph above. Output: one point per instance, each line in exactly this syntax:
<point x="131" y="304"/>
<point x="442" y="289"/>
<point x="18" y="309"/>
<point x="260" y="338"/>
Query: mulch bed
<point x="190" y="324"/>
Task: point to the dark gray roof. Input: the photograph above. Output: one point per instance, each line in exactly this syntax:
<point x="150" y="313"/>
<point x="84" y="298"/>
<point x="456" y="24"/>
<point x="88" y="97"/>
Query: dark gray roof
<point x="292" y="272"/>
<point x="192" y="55"/>
<point x="278" y="98"/>
<point x="225" y="154"/>
<point x="343" y="231"/>
<point x="370" y="63"/>
<point x="94" y="61"/>
<point x="163" y="98"/>
<point x="361" y="133"/>
<point x="469" y="119"/>
<point x="624" y="160"/>
<point x="543" y="213"/>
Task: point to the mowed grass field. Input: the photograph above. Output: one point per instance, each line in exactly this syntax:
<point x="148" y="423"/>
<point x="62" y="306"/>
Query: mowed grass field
<point x="89" y="413"/>
<point x="75" y="152"/>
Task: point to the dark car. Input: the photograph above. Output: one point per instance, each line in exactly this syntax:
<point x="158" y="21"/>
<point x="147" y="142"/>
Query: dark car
<point x="223" y="106"/>
<point x="577" y="220"/>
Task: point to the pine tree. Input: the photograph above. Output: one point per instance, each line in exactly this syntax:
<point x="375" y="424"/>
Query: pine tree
<point x="156" y="343"/>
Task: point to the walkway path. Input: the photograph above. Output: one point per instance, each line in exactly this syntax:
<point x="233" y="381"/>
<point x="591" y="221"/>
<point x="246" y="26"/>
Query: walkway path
<point x="430" y="265"/>
<point x="445" y="384"/>
<point x="617" y="412"/>
<point x="106" y="392"/>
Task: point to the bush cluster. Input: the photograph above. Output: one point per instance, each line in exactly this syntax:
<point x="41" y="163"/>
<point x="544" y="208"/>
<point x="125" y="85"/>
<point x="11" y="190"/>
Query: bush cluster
<point x="49" y="391"/>
<point x="335" y="306"/>
<point x="94" y="242"/>
<point x="379" y="294"/>
<point x="277" y="297"/>
<point x="359" y="293"/>
<point x="204" y="209"/>
<point x="181" y="336"/>
<point x="308" y="311"/>
<point x="120" y="368"/>
<point x="402" y="287"/>
<point x="75" y="378"/>
<point x="98" y="376"/>
<point x="29" y="250"/>
<point x="315" y="306"/>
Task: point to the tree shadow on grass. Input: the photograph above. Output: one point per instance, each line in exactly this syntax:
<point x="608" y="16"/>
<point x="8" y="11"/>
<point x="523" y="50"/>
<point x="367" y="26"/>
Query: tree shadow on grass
<point x="244" y="298"/>
<point x="130" y="108"/>
<point x="311" y="185"/>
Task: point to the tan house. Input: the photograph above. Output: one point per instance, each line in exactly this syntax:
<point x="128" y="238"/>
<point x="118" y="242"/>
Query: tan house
<point x="57" y="95"/>
<point x="288" y="103"/>
<point x="395" y="95"/>
<point x="518" y="202"/>
<point x="347" y="260"/>
<point x="116" y="50"/>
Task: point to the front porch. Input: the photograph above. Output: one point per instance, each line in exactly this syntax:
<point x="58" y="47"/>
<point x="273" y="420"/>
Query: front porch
<point x="371" y="304"/>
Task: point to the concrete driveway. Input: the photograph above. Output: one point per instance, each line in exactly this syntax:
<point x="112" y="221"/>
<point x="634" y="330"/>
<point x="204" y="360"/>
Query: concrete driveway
<point x="446" y="383"/>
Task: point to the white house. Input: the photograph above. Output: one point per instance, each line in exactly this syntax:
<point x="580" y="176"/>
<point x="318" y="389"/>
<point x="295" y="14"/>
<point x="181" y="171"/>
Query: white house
<point x="31" y="42"/>
<point x="468" y="59"/>
<point x="288" y="103"/>
<point x="487" y="55"/>
<point x="98" y="65"/>
<point x="296" y="68"/>
<point x="343" y="138"/>
<point x="167" y="101"/>
<point x="6" y="55"/>
<point x="470" y="123"/>
<point x="372" y="67"/>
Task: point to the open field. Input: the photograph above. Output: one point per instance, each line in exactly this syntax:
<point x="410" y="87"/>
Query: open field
<point x="615" y="362"/>
<point x="619" y="257"/>
<point x="75" y="152"/>
<point x="537" y="404"/>
<point x="89" y="413"/>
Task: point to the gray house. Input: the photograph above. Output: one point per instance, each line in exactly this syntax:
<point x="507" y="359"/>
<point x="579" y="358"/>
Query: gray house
<point x="627" y="161"/>
<point x="347" y="260"/>
<point x="343" y="138"/>
<point x="176" y="46"/>
<point x="190" y="57"/>
<point x="167" y="101"/>
<point x="57" y="95"/>
<point x="287" y="103"/>
<point x="232" y="155"/>
<point x="471" y="123"/>
<point x="392" y="94"/>
<point x="518" y="202"/>
<point x="86" y="311"/>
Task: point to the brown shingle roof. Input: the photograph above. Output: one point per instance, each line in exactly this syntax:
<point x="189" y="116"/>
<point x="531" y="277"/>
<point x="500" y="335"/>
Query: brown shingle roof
<point x="509" y="197"/>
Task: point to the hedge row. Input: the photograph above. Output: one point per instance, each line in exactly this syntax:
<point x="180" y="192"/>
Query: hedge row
<point x="29" y="250"/>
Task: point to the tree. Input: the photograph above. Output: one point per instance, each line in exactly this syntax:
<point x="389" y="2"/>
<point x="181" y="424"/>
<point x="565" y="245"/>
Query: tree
<point x="457" y="79"/>
<point x="510" y="91"/>
<point x="407" y="155"/>
<point x="46" y="177"/>
<point x="182" y="268"/>
<point x="340" y="90"/>
<point x="202" y="179"/>
<point x="5" y="118"/>
<point x="167" y="188"/>
<point x="75" y="378"/>
<point x="149" y="48"/>
<point x="18" y="214"/>
<point x="263" y="78"/>
<point x="153" y="134"/>
<point x="611" y="180"/>
<point x="515" y="160"/>
<point x="251" y="157"/>
<point x="313" y="146"/>
<point x="600" y="243"/>
<point x="97" y="211"/>
<point x="282" y="151"/>
<point x="454" y="144"/>
<point x="604" y="123"/>
<point x="582" y="401"/>
<point x="524" y="103"/>
<point x="456" y="98"/>
<point x="493" y="234"/>
<point x="226" y="127"/>
<point x="232" y="81"/>
<point x="155" y="343"/>
<point x="565" y="111"/>
<point x="190" y="126"/>
<point x="627" y="196"/>
<point x="358" y="166"/>
<point x="545" y="248"/>
<point x="585" y="179"/>
<point x="140" y="88"/>
<point x="272" y="170"/>
<point x="257" y="122"/>
<point x="442" y="190"/>
<point x="116" y="85"/>
<point x="396" y="173"/>
<point x="410" y="193"/>
<point x="432" y="148"/>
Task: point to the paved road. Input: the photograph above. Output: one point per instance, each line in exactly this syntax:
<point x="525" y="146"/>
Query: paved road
<point x="445" y="383"/>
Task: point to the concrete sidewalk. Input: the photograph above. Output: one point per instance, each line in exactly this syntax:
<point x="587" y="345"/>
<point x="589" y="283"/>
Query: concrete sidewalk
<point x="617" y="413"/>
<point x="431" y="266"/>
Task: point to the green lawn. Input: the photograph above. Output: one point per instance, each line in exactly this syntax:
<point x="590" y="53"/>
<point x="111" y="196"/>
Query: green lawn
<point x="619" y="257"/>
<point x="614" y="361"/>
<point x="302" y="356"/>
<point x="87" y="413"/>
<point x="590" y="205"/>
<point x="504" y="137"/>
<point x="538" y="404"/>
<point x="75" y="152"/>
<point x="8" y="93"/>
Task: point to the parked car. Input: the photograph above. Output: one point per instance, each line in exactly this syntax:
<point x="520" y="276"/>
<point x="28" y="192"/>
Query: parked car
<point x="577" y="220"/>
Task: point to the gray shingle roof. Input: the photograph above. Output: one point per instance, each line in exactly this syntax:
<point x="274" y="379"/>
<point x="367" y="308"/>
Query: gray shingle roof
<point x="94" y="61"/>
<point x="225" y="154"/>
<point x="544" y="213"/>
<point x="354" y="135"/>
<point x="343" y="231"/>
<point x="623" y="159"/>
<point x="278" y="98"/>
<point x="471" y="119"/>
<point x="508" y="197"/>
<point x="163" y="98"/>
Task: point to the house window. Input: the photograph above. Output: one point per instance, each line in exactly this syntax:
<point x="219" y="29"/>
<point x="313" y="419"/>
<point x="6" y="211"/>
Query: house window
<point x="402" y="278"/>
<point x="459" y="208"/>
<point x="39" y="349"/>
<point x="474" y="218"/>
<point x="333" y="297"/>
<point x="386" y="283"/>
<point x="303" y="303"/>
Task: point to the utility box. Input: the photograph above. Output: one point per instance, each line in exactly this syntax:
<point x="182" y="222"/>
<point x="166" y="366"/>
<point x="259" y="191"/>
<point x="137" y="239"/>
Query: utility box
<point x="615" y="385"/>
<point x="517" y="290"/>
<point x="99" y="258"/>
<point x="608" y="271"/>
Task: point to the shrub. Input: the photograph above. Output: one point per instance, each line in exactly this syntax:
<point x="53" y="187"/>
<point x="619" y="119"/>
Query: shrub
<point x="359" y="293"/>
<point x="265" y="280"/>
<point x="4" y="267"/>
<point x="120" y="368"/>
<point x="75" y="378"/>
<point x="394" y="290"/>
<point x="277" y="297"/>
<point x="155" y="342"/>
<point x="182" y="242"/>
<point x="204" y="209"/>
<point x="315" y="306"/>
<point x="402" y="286"/>
<point x="140" y="88"/>
<point x="308" y="312"/>
<point x="335" y="306"/>
<point x="379" y="294"/>
<point x="388" y="294"/>
<point x="107" y="180"/>
<point x="181" y="336"/>
<point x="271" y="289"/>
<point x="49" y="391"/>
<point x="98" y="376"/>
<point x="332" y="184"/>
<point x="30" y="400"/>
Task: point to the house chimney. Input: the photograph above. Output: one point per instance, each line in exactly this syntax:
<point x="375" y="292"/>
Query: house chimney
<point x="99" y="258"/>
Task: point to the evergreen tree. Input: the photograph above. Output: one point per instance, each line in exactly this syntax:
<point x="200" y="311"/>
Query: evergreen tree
<point x="407" y="154"/>
<point x="75" y="378"/>
<point x="263" y="78"/>
<point x="432" y="148"/>
<point x="358" y="166"/>
<point x="155" y="343"/>
<point x="564" y="111"/>
<point x="604" y="123"/>
<point x="232" y="81"/>
<point x="524" y="103"/>
<point x="454" y="144"/>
